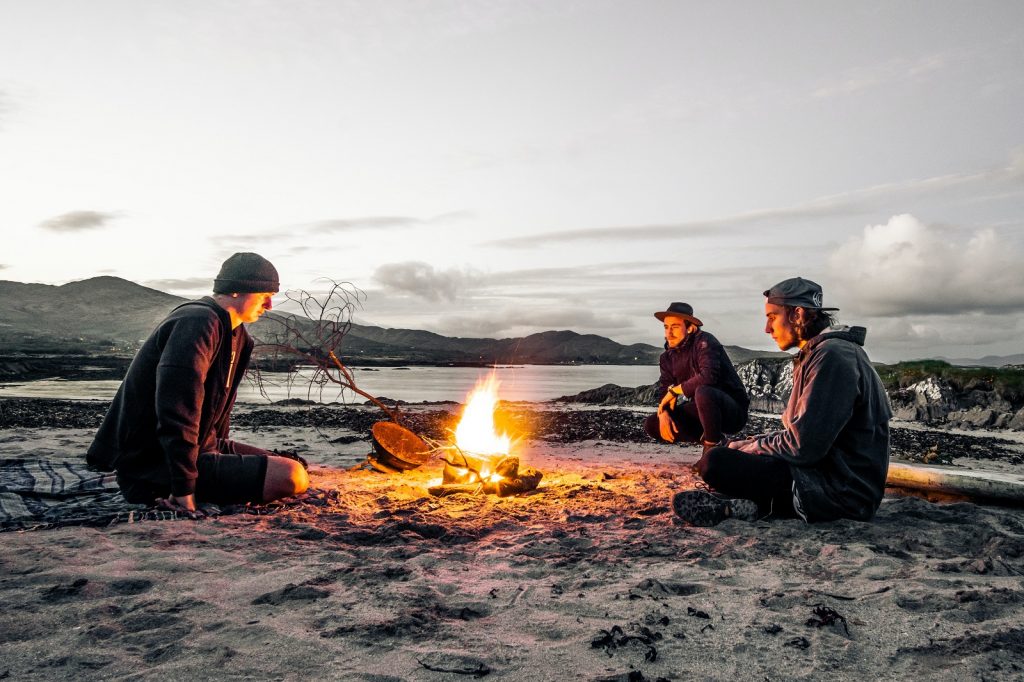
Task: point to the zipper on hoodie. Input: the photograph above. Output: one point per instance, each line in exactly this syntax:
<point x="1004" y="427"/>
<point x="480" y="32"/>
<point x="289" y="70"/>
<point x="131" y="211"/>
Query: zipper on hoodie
<point x="231" y="370"/>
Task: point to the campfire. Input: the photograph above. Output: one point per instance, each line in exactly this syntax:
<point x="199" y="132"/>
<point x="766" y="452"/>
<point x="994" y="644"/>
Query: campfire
<point x="480" y="458"/>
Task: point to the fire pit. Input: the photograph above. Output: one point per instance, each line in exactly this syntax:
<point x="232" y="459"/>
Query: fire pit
<point x="479" y="459"/>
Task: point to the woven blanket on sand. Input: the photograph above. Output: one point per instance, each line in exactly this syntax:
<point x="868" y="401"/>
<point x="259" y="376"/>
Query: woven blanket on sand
<point x="44" y="493"/>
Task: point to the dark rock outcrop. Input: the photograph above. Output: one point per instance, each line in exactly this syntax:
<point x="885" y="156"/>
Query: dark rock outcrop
<point x="612" y="394"/>
<point x="769" y="381"/>
<point x="934" y="400"/>
<point x="929" y="401"/>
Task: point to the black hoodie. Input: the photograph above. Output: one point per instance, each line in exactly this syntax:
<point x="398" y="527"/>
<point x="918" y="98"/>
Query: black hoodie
<point x="176" y="397"/>
<point x="836" y="435"/>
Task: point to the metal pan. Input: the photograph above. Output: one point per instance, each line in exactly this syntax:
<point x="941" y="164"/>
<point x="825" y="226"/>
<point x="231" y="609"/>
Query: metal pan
<point x="396" y="448"/>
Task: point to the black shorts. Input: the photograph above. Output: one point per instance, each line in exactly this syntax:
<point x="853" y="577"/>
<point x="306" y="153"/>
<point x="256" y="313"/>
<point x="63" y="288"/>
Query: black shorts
<point x="224" y="477"/>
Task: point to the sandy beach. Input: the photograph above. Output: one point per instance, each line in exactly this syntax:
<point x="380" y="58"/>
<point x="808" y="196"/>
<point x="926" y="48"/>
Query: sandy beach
<point x="587" y="578"/>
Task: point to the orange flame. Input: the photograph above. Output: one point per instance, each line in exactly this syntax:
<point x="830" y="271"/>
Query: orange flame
<point x="476" y="433"/>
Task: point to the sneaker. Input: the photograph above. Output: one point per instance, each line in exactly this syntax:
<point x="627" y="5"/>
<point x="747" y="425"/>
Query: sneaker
<point x="702" y="508"/>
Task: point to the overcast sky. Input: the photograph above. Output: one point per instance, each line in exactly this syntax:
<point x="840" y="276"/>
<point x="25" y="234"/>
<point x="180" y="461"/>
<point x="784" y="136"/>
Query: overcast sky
<point x="495" y="168"/>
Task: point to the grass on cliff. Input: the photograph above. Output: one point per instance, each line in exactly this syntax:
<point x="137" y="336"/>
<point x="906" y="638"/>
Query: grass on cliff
<point x="1007" y="382"/>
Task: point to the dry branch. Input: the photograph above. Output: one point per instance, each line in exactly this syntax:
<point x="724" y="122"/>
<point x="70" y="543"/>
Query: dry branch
<point x="315" y="337"/>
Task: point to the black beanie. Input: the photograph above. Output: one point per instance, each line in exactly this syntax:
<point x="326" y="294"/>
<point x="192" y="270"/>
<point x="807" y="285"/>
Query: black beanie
<point x="246" y="273"/>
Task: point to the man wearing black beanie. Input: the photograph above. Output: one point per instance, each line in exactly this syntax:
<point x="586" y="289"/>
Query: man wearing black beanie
<point x="166" y="433"/>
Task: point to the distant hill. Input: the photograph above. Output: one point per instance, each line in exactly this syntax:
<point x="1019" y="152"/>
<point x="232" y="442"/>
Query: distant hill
<point x="110" y="314"/>
<point x="987" y="361"/>
<point x="552" y="347"/>
<point x="102" y="313"/>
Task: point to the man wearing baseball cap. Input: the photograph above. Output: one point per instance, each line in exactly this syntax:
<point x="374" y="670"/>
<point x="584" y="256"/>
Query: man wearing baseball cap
<point x="166" y="433"/>
<point x="831" y="458"/>
<point x="702" y="396"/>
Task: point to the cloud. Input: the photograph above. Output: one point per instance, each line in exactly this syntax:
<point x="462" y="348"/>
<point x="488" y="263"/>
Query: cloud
<point x="970" y="331"/>
<point x="77" y="221"/>
<point x="512" y="321"/>
<point x="369" y="223"/>
<point x="1005" y="179"/>
<point x="838" y="205"/>
<point x="966" y="336"/>
<point x="906" y="267"/>
<point x="895" y="71"/>
<point x="588" y="276"/>
<point x="422" y="280"/>
<point x="191" y="284"/>
<point x="384" y="222"/>
<point x="304" y="231"/>
<point x="647" y="232"/>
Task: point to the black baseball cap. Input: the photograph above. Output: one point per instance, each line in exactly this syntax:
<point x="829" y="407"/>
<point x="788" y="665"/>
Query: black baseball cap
<point x="797" y="292"/>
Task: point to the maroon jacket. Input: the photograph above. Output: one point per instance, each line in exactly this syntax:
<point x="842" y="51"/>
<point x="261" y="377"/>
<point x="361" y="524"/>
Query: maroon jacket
<point x="700" y="360"/>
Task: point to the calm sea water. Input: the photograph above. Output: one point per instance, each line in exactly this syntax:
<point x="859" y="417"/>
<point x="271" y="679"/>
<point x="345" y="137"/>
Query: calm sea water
<point x="412" y="384"/>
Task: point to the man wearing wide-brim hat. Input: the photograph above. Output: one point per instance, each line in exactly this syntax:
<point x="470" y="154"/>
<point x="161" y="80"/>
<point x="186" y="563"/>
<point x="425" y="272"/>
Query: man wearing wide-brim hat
<point x="830" y="460"/>
<point x="702" y="397"/>
<point x="166" y="433"/>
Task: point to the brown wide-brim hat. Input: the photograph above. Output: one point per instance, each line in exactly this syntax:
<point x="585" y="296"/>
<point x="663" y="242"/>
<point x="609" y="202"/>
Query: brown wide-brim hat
<point x="677" y="309"/>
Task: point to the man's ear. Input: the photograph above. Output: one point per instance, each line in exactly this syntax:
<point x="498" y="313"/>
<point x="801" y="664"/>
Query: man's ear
<point x="797" y="315"/>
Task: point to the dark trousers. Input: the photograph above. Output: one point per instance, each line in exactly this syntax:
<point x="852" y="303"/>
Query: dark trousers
<point x="710" y="414"/>
<point x="234" y="474"/>
<point x="765" y="479"/>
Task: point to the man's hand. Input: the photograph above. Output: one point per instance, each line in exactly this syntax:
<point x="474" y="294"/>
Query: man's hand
<point x="667" y="427"/>
<point x="184" y="503"/>
<point x="747" y="445"/>
<point x="667" y="403"/>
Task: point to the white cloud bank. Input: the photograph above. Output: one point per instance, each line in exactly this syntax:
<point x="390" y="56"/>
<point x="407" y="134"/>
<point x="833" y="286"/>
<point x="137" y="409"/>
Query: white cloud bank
<point x="908" y="268"/>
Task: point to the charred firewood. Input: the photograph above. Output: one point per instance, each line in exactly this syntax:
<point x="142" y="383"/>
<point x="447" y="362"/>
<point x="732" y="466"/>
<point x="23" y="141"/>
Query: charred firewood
<point x="447" y="489"/>
<point x="527" y="480"/>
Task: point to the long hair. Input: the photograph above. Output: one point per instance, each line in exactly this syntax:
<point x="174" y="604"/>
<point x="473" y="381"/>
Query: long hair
<point x="815" y="322"/>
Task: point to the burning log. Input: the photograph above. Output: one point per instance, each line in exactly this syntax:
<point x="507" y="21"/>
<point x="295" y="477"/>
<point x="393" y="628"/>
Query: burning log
<point x="526" y="480"/>
<point x="479" y="460"/>
<point x="471" y="474"/>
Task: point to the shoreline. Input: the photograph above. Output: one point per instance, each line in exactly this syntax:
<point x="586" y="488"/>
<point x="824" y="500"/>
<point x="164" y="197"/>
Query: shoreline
<point x="909" y="436"/>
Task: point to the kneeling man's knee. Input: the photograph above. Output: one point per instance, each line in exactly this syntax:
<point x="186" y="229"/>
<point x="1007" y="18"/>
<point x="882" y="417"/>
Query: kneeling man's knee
<point x="710" y="465"/>
<point x="705" y="394"/>
<point x="285" y="477"/>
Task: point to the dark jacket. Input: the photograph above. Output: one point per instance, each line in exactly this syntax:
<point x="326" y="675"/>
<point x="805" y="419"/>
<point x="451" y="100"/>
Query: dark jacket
<point x="836" y="435"/>
<point x="176" y="397"/>
<point x="700" y="360"/>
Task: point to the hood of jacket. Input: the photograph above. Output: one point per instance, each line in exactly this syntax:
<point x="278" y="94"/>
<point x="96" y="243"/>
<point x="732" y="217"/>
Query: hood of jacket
<point x="852" y="334"/>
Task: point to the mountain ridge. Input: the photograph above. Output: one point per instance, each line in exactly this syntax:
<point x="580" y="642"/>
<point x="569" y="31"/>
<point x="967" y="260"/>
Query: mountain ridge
<point x="111" y="315"/>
